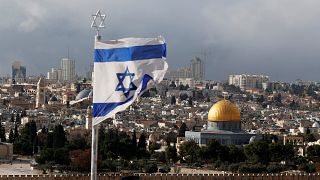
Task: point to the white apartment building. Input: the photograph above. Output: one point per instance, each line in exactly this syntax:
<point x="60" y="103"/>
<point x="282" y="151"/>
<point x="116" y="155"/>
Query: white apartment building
<point x="197" y="69"/>
<point x="68" y="67"/>
<point x="55" y="75"/>
<point x="247" y="81"/>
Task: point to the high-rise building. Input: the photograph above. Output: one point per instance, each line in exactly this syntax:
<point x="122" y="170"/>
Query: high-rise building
<point x="246" y="81"/>
<point x="90" y="72"/>
<point x="55" y="75"/>
<point x="197" y="69"/>
<point x="68" y="67"/>
<point x="19" y="72"/>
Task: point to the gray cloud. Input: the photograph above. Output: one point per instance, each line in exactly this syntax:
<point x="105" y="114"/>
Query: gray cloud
<point x="278" y="38"/>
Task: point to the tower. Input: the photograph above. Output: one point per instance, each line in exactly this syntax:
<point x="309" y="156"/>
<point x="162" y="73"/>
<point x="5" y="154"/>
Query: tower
<point x="41" y="93"/>
<point x="68" y="67"/>
<point x="19" y="72"/>
<point x="197" y="69"/>
<point x="89" y="118"/>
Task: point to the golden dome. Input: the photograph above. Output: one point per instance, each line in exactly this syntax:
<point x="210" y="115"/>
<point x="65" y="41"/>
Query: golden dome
<point x="224" y="110"/>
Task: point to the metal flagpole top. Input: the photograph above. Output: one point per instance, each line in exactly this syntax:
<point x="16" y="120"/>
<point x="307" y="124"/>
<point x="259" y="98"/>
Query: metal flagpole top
<point x="98" y="23"/>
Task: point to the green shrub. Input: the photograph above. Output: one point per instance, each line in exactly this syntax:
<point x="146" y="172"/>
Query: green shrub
<point x="307" y="167"/>
<point x="276" y="168"/>
<point x="252" y="168"/>
<point x="150" y="168"/>
<point x="109" y="165"/>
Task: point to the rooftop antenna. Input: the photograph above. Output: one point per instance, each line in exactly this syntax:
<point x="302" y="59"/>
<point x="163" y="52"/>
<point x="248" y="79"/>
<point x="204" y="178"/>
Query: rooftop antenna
<point x="97" y="24"/>
<point x="68" y="53"/>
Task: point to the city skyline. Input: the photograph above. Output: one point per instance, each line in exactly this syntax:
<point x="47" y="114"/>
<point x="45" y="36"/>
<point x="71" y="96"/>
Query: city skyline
<point x="267" y="37"/>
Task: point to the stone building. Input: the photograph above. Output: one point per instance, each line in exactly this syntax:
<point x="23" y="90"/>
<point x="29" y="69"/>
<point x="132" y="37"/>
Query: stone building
<point x="6" y="151"/>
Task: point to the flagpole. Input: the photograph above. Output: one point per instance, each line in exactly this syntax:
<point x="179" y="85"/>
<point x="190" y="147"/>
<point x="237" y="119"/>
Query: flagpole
<point x="94" y="152"/>
<point x="94" y="142"/>
<point x="94" y="130"/>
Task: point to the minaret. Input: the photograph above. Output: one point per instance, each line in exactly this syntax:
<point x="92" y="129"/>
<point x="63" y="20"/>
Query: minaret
<point x="89" y="118"/>
<point x="41" y="91"/>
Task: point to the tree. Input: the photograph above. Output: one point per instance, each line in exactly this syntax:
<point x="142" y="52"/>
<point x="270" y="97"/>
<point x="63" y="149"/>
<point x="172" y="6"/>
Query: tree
<point x="101" y="137"/>
<point x="236" y="154"/>
<point x="260" y="99"/>
<point x="12" y="117"/>
<point x="151" y="168"/>
<point x="276" y="152"/>
<point x="171" y="154"/>
<point x="142" y="144"/>
<point x="213" y="150"/>
<point x="310" y="137"/>
<point x="257" y="152"/>
<point x="18" y="118"/>
<point x="280" y="152"/>
<point x="16" y="132"/>
<point x="11" y="136"/>
<point x="33" y="132"/>
<point x="173" y="100"/>
<point x="61" y="156"/>
<point x="207" y="86"/>
<point x="182" y="130"/>
<point x="46" y="156"/>
<point x="154" y="146"/>
<point x="2" y="133"/>
<point x="171" y="137"/>
<point x="288" y="152"/>
<point x="313" y="151"/>
<point x="190" y="101"/>
<point x="78" y="142"/>
<point x="111" y="144"/>
<point x="49" y="140"/>
<point x="190" y="152"/>
<point x="25" y="141"/>
<point x="134" y="139"/>
<point x="59" y="137"/>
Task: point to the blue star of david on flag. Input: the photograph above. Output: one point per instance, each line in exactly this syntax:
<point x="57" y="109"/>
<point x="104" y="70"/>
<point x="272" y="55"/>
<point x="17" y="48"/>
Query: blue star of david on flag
<point x="121" y="86"/>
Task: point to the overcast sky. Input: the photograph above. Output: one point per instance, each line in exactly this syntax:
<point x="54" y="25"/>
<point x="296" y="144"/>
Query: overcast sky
<point x="279" y="38"/>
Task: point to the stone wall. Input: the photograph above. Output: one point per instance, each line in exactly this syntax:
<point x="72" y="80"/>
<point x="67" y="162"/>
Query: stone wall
<point x="301" y="176"/>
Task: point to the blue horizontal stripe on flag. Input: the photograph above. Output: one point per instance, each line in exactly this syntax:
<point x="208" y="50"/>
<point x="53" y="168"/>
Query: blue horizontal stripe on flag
<point x="102" y="109"/>
<point x="130" y="53"/>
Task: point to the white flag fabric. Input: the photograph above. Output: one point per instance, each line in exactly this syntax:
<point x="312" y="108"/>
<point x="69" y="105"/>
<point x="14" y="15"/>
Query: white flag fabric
<point x="123" y="69"/>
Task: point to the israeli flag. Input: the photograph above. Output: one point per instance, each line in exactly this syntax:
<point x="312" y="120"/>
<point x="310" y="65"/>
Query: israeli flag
<point x="123" y="69"/>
